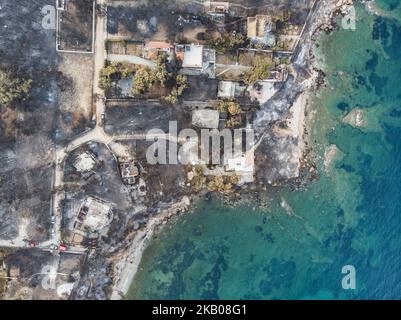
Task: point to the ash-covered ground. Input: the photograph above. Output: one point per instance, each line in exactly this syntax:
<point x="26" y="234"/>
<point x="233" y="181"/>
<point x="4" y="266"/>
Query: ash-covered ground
<point x="279" y="158"/>
<point x="127" y="117"/>
<point x="26" y="151"/>
<point x="76" y="26"/>
<point x="60" y="107"/>
<point x="33" y="269"/>
<point x="30" y="128"/>
<point x="133" y="205"/>
<point x="185" y="21"/>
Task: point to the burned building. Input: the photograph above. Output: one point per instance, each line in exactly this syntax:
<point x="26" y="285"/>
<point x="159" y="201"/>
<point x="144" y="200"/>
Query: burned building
<point x="260" y="30"/>
<point x="94" y="215"/>
<point x="85" y="163"/>
<point x="128" y="170"/>
<point x="196" y="59"/>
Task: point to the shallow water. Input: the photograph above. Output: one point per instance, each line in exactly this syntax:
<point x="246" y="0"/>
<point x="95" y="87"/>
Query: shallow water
<point x="351" y="216"/>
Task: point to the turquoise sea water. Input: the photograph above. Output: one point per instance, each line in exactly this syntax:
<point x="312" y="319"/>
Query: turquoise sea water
<point x="351" y="216"/>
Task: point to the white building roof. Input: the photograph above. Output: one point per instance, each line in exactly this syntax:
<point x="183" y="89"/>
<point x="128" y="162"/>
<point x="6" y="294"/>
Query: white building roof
<point x="244" y="163"/>
<point x="193" y="56"/>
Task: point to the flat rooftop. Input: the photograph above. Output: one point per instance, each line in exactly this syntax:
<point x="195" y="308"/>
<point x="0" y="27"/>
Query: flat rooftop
<point x="193" y="56"/>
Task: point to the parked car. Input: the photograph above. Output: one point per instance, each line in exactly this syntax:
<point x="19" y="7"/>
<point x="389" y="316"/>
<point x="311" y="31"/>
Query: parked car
<point x="32" y="243"/>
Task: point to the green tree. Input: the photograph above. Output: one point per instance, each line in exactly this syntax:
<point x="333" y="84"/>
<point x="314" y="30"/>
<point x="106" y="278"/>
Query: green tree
<point x="198" y="183"/>
<point x="12" y="88"/>
<point x="105" y="76"/>
<point x="142" y="80"/>
<point x="176" y="92"/>
<point x="146" y="77"/>
<point x="126" y="69"/>
<point x="232" y="123"/>
<point x="230" y="106"/>
<point x="234" y="179"/>
<point x="222" y="184"/>
<point x="123" y="69"/>
<point x="227" y="42"/>
<point x="234" y="108"/>
<point x="260" y="70"/>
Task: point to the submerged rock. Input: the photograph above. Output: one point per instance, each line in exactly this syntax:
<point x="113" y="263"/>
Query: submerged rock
<point x="355" y="118"/>
<point x="331" y="154"/>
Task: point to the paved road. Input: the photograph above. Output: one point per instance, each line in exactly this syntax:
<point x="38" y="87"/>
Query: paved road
<point x="99" y="59"/>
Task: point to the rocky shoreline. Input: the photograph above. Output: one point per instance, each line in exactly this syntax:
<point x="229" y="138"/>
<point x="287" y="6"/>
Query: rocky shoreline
<point x="127" y="264"/>
<point x="307" y="76"/>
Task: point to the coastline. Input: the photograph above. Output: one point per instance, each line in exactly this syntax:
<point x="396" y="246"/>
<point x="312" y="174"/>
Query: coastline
<point x="339" y="220"/>
<point x="127" y="266"/>
<point x="128" y="263"/>
<point x="299" y="120"/>
<point x="306" y="185"/>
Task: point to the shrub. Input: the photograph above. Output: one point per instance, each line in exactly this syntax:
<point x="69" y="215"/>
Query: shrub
<point x="222" y="184"/>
